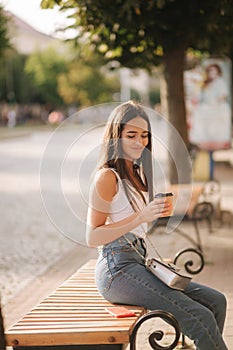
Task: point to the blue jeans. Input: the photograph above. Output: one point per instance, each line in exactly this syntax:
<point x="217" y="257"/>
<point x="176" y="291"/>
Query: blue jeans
<point x="122" y="277"/>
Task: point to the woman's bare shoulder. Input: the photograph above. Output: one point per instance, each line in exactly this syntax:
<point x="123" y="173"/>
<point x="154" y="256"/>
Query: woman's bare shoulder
<point x="106" y="181"/>
<point x="106" y="174"/>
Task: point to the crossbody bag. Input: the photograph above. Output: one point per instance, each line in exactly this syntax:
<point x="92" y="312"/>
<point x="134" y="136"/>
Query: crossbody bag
<point x="167" y="272"/>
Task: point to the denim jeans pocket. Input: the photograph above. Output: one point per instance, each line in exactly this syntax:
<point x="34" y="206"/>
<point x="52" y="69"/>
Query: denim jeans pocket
<point x="122" y="257"/>
<point x="103" y="274"/>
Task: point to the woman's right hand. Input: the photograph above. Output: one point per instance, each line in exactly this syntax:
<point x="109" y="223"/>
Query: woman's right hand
<point x="157" y="208"/>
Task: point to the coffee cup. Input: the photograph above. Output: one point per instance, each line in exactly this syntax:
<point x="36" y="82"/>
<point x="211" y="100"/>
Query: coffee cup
<point x="168" y="198"/>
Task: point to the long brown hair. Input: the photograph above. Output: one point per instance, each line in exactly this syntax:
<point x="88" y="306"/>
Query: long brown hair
<point x="112" y="156"/>
<point x="208" y="68"/>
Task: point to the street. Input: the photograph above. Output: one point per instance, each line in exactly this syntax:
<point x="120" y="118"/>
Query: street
<point x="29" y="241"/>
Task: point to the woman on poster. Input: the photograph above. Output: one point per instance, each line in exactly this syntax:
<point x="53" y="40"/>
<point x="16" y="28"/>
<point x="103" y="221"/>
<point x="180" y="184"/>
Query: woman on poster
<point x="211" y="119"/>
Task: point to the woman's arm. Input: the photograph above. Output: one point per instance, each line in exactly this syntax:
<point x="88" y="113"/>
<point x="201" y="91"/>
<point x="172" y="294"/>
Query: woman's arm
<point x="98" y="231"/>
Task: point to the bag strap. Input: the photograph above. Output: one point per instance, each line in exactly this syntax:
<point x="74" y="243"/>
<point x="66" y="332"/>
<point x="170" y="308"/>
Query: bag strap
<point x="156" y="250"/>
<point x="145" y="237"/>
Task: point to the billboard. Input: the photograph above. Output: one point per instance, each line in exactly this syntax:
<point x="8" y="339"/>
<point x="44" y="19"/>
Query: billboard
<point x="208" y="104"/>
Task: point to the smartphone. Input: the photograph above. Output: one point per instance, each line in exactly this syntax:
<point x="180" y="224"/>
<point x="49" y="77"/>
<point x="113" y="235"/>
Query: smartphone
<point x="120" y="311"/>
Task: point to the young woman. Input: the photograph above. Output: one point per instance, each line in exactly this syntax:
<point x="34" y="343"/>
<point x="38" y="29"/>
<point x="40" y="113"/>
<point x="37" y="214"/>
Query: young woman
<point x="211" y="118"/>
<point x="121" y="206"/>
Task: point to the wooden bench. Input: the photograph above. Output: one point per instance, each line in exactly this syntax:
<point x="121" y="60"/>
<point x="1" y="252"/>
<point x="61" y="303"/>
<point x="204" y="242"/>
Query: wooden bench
<point x="74" y="317"/>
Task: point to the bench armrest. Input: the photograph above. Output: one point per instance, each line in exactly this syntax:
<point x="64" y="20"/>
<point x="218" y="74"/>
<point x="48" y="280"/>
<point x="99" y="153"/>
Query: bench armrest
<point x="192" y="266"/>
<point x="157" y="335"/>
<point x="203" y="211"/>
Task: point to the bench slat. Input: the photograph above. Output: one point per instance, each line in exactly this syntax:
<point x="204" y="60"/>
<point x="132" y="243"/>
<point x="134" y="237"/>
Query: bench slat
<point x="70" y="325"/>
<point x="63" y="337"/>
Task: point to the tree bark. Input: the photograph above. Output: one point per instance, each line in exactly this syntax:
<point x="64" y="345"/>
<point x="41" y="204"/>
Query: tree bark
<point x="180" y="165"/>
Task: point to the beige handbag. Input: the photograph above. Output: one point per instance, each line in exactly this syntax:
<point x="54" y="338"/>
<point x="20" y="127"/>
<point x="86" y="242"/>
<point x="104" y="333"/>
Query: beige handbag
<point x="168" y="273"/>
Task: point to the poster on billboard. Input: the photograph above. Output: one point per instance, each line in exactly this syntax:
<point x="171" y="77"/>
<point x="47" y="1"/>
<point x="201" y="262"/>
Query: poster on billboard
<point x="208" y="104"/>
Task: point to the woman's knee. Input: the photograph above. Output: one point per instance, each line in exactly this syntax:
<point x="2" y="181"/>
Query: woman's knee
<point x="223" y="301"/>
<point x="220" y="304"/>
<point x="220" y="311"/>
<point x="204" y="331"/>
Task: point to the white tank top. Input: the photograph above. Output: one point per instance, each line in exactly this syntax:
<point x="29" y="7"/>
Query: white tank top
<point x="121" y="208"/>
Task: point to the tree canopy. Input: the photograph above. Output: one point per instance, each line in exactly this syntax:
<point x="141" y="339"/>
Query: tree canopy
<point x="140" y="33"/>
<point x="137" y="32"/>
<point x="4" y="38"/>
<point x="43" y="69"/>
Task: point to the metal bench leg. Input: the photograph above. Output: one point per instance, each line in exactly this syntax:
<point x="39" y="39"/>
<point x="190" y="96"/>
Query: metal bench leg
<point x="2" y="335"/>
<point x="196" y="243"/>
<point x="199" y="244"/>
<point x="183" y="340"/>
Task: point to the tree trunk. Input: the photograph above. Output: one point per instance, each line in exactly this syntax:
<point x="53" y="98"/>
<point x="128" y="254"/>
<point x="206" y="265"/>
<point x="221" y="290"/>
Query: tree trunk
<point x="180" y="164"/>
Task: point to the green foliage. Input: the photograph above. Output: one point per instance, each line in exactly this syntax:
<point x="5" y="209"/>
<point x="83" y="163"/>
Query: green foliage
<point x="15" y="86"/>
<point x="43" y="68"/>
<point x="27" y="79"/>
<point x="53" y="78"/>
<point x="137" y="32"/>
<point x="154" y="96"/>
<point x="135" y="95"/>
<point x="4" y="37"/>
<point x="85" y="84"/>
<point x="48" y="78"/>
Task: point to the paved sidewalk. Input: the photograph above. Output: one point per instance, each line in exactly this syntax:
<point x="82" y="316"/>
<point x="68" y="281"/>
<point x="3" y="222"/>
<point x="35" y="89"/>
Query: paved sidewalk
<point x="219" y="244"/>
